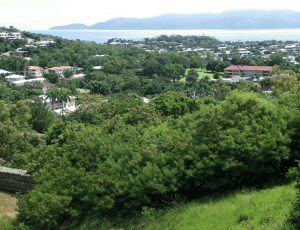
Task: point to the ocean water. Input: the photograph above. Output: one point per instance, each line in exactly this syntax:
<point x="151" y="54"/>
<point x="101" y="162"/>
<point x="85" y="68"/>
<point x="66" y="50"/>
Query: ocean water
<point x="102" y="36"/>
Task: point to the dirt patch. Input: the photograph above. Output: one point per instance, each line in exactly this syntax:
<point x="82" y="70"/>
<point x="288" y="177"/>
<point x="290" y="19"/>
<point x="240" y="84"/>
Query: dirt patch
<point x="8" y="205"/>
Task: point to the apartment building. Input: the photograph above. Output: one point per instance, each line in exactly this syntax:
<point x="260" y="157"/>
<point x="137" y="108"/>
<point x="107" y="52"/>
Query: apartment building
<point x="248" y="71"/>
<point x="35" y="71"/>
<point x="60" y="70"/>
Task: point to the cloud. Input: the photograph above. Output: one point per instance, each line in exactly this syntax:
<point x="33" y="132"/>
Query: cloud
<point x="41" y="15"/>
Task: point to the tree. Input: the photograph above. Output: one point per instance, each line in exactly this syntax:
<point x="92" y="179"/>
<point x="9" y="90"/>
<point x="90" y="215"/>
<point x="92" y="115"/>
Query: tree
<point x="174" y="104"/>
<point x="152" y="66"/>
<point x="52" y="94"/>
<point x="13" y="123"/>
<point x="284" y="83"/>
<point x="243" y="138"/>
<point x="174" y="71"/>
<point x="211" y="65"/>
<point x="51" y="77"/>
<point x="68" y="73"/>
<point x="216" y="75"/>
<point x="41" y="117"/>
<point x="192" y="76"/>
<point x="64" y="96"/>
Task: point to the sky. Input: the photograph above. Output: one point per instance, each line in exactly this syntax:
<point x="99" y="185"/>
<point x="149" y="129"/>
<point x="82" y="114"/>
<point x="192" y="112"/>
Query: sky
<point x="44" y="14"/>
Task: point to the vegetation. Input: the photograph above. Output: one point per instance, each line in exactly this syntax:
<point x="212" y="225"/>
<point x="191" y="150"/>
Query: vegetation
<point x="117" y="155"/>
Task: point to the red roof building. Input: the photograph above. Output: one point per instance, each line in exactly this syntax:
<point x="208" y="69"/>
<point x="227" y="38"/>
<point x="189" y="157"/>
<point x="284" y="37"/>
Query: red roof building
<point x="59" y="70"/>
<point x="35" y="71"/>
<point x="248" y="71"/>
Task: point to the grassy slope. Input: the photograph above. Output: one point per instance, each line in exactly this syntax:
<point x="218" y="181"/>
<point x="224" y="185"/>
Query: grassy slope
<point x="8" y="205"/>
<point x="265" y="209"/>
<point x="256" y="209"/>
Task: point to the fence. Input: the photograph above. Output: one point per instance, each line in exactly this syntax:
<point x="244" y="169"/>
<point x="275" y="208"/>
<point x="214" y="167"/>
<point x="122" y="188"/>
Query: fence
<point x="15" y="180"/>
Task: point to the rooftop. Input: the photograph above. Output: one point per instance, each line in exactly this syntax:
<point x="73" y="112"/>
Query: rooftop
<point x="234" y="67"/>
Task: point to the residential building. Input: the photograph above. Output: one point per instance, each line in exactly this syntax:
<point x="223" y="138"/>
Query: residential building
<point x="46" y="86"/>
<point x="248" y="71"/>
<point x="97" y="68"/>
<point x="5" y="72"/>
<point x="12" y="78"/>
<point x="60" y="108"/>
<point x="59" y="70"/>
<point x="35" y="71"/>
<point x="6" y="37"/>
<point x="23" y="82"/>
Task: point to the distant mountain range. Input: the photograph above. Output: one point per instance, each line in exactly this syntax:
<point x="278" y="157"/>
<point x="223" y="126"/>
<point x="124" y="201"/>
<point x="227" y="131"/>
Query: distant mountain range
<point x="238" y="20"/>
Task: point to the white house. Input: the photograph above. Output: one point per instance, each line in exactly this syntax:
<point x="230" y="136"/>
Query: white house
<point x="22" y="82"/>
<point x="45" y="43"/>
<point x="5" y="72"/>
<point x="15" y="35"/>
<point x="60" y="108"/>
<point x="102" y="55"/>
<point x="14" y="77"/>
<point x="97" y="67"/>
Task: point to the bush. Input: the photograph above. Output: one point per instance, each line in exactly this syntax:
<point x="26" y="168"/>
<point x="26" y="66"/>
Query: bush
<point x="137" y="159"/>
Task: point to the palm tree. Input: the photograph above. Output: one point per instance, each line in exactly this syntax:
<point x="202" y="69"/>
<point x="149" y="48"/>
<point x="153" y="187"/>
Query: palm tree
<point x="65" y="96"/>
<point x="52" y="94"/>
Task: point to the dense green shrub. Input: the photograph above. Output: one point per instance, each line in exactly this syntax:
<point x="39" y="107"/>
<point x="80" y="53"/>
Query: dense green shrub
<point x="175" y="104"/>
<point x="138" y="159"/>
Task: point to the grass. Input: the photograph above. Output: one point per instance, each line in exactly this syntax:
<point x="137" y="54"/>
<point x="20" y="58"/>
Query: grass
<point x="244" y="209"/>
<point x="265" y="209"/>
<point x="202" y="73"/>
<point x="8" y="206"/>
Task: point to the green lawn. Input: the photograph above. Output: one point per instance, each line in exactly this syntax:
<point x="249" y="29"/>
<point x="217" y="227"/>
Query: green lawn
<point x="202" y="73"/>
<point x="245" y="209"/>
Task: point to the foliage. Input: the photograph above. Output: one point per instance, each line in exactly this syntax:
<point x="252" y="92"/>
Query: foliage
<point x="192" y="76"/>
<point x="58" y="94"/>
<point x="14" y="130"/>
<point x="51" y="77"/>
<point x="68" y="73"/>
<point x="174" y="104"/>
<point x="41" y="117"/>
<point x="174" y="71"/>
<point x="284" y="83"/>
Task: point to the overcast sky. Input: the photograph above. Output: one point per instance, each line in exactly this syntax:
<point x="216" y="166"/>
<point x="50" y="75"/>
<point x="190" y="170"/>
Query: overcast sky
<point x="44" y="14"/>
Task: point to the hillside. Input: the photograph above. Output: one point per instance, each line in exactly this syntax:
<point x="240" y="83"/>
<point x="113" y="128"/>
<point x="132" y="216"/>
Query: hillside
<point x="241" y="19"/>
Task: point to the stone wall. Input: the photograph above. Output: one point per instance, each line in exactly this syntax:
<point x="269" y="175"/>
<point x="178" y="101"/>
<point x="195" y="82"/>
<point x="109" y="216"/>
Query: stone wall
<point x="15" y="180"/>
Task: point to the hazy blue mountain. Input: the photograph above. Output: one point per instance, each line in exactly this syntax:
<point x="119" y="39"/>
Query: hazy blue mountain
<point x="71" y="27"/>
<point x="239" y="19"/>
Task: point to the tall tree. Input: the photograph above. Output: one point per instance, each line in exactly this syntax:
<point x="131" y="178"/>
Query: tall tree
<point x="41" y="117"/>
<point x="174" y="71"/>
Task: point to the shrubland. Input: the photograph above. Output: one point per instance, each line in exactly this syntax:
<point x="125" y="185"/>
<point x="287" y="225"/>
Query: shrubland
<point x="137" y="158"/>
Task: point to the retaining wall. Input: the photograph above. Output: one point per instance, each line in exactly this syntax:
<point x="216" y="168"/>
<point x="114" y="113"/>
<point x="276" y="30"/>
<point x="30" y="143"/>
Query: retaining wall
<point x="15" y="180"/>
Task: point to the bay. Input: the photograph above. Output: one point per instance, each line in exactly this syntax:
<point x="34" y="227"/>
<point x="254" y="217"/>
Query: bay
<point x="102" y="36"/>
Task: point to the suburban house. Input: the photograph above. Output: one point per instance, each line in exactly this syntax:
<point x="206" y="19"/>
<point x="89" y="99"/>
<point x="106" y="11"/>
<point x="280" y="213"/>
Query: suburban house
<point x="77" y="76"/>
<point x="20" y="79"/>
<point x="60" y="70"/>
<point x="22" y="82"/>
<point x="35" y="71"/>
<point x="45" y="43"/>
<point x="4" y="72"/>
<point x="46" y="86"/>
<point x="60" y="108"/>
<point x="12" y="78"/>
<point x="6" y="37"/>
<point x="97" y="68"/>
<point x="248" y="71"/>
